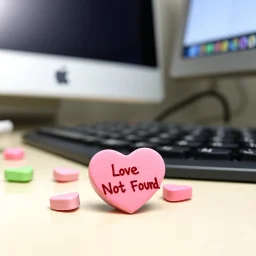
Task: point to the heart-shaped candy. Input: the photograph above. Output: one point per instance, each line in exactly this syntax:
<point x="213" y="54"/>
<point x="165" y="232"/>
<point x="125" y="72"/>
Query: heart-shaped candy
<point x="126" y="182"/>
<point x="14" y="153"/>
<point x="65" y="175"/>
<point x="65" y="202"/>
<point x="177" y="193"/>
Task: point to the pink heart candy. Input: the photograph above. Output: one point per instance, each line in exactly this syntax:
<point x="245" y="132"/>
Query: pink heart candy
<point x="177" y="193"/>
<point x="14" y="153"/>
<point x="65" y="175"/>
<point x="65" y="202"/>
<point x="126" y="182"/>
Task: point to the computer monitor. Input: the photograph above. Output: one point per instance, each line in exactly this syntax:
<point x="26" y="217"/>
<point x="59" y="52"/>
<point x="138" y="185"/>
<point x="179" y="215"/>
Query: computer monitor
<point x="93" y="49"/>
<point x="215" y="37"/>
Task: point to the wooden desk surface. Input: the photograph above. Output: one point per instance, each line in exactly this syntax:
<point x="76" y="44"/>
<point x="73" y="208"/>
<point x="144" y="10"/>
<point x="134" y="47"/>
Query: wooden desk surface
<point x="220" y="220"/>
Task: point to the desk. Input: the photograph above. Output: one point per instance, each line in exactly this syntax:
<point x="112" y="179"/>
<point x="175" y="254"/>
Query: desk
<point x="220" y="220"/>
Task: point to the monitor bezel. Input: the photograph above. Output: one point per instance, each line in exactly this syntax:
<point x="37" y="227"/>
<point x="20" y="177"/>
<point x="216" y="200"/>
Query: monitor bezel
<point x="229" y="64"/>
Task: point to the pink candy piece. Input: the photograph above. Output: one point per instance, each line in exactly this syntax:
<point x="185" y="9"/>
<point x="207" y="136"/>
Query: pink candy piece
<point x="65" y="202"/>
<point x="14" y="153"/>
<point x="126" y="182"/>
<point x="175" y="193"/>
<point x="65" y="175"/>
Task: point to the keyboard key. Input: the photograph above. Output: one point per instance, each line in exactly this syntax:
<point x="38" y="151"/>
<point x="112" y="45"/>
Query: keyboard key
<point x="112" y="143"/>
<point x="175" y="152"/>
<point x="201" y="132"/>
<point x="249" y="145"/>
<point x="101" y="134"/>
<point x="222" y="139"/>
<point x="132" y="138"/>
<point x="143" y="133"/>
<point x="194" y="138"/>
<point x="153" y="131"/>
<point x="246" y="134"/>
<point x="184" y="143"/>
<point x="225" y="130"/>
<point x="85" y="131"/>
<point x="167" y="136"/>
<point x="223" y="145"/>
<point x="138" y="145"/>
<point x="115" y="136"/>
<point x="213" y="153"/>
<point x="87" y="139"/>
<point x="128" y="131"/>
<point x="189" y="138"/>
<point x="158" y="141"/>
<point x="248" y="155"/>
<point x="189" y="128"/>
<point x="174" y="132"/>
<point x="248" y="140"/>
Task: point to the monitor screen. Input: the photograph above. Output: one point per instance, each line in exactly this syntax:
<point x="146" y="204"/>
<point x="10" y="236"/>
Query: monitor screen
<point x="216" y="27"/>
<point x="112" y="30"/>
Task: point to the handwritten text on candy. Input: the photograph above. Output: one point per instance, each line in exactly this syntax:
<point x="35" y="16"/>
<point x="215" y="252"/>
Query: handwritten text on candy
<point x="134" y="184"/>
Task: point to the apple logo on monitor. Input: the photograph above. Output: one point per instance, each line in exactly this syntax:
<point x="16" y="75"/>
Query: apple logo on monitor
<point x="61" y="76"/>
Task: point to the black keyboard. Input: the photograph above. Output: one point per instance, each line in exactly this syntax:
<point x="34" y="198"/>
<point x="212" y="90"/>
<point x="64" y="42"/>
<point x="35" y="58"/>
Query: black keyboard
<point x="189" y="151"/>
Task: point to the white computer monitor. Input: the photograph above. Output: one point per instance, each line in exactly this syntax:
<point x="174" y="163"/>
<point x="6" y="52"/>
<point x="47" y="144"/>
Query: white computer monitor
<point x="215" y="37"/>
<point x="93" y="49"/>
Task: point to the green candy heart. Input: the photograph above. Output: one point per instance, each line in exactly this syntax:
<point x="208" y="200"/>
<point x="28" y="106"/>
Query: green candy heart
<point x="22" y="174"/>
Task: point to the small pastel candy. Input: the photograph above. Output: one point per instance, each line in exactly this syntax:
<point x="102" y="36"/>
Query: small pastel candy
<point x="65" y="202"/>
<point x="14" y="153"/>
<point x="176" y="193"/>
<point x="65" y="175"/>
<point x="21" y="174"/>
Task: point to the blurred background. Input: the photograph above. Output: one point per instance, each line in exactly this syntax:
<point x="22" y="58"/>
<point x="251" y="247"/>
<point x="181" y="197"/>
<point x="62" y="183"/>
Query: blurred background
<point x="35" y="110"/>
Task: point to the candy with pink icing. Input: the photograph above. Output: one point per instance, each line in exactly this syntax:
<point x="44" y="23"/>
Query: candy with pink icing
<point x="14" y="153"/>
<point x="176" y="193"/>
<point x="65" y="202"/>
<point x="65" y="175"/>
<point x="126" y="182"/>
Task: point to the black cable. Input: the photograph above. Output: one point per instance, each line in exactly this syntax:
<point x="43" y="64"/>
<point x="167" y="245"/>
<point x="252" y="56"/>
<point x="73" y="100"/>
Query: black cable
<point x="192" y="99"/>
<point x="236" y="112"/>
